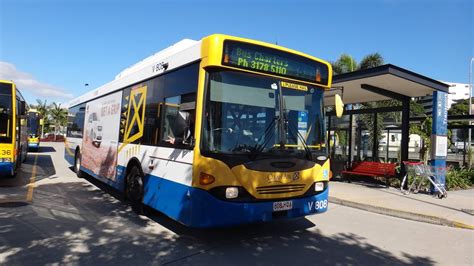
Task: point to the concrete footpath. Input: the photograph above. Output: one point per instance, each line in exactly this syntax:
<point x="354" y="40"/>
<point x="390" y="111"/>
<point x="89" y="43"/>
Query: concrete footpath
<point x="457" y="210"/>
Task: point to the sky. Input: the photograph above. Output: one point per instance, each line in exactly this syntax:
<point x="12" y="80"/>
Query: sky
<point x="52" y="48"/>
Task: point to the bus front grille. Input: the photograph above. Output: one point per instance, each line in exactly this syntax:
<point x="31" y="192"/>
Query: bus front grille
<point x="280" y="189"/>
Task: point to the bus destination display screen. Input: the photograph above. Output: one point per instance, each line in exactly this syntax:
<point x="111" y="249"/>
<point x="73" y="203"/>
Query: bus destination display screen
<point x="272" y="61"/>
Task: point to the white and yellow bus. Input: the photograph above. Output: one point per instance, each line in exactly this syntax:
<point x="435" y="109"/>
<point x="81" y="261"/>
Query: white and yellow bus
<point x="216" y="132"/>
<point x="13" y="131"/>
<point x="35" y="124"/>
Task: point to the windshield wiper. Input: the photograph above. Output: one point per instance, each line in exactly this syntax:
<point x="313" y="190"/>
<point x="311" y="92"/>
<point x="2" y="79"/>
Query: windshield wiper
<point x="285" y="125"/>
<point x="283" y="119"/>
<point x="309" y="155"/>
<point x="267" y="135"/>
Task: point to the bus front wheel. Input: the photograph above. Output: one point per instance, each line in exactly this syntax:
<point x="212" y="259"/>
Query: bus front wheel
<point x="134" y="190"/>
<point x="77" y="165"/>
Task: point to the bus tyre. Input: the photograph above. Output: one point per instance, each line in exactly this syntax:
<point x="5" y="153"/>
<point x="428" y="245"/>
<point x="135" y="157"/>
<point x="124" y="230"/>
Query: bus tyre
<point x="13" y="171"/>
<point x="134" y="190"/>
<point x="26" y="155"/>
<point x="77" y="165"/>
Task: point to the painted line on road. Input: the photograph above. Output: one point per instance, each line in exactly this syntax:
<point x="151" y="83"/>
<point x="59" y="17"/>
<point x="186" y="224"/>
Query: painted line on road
<point x="31" y="185"/>
<point x="68" y="150"/>
<point x="462" y="225"/>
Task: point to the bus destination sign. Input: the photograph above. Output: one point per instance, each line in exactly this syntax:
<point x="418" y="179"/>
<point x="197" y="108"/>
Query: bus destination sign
<point x="272" y="61"/>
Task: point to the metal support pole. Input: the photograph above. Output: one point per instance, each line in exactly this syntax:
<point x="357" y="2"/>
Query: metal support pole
<point x="470" y="112"/>
<point x="349" y="156"/>
<point x="405" y="130"/>
<point x="375" y="141"/>
<point x="388" y="146"/>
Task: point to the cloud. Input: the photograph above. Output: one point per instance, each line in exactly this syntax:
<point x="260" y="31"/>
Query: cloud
<point x="26" y="82"/>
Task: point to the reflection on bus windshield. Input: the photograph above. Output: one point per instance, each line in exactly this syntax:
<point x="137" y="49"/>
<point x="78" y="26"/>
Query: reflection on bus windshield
<point x="243" y="114"/>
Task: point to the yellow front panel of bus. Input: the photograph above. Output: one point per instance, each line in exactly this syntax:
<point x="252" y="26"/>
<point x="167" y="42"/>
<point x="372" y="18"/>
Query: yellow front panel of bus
<point x="33" y="140"/>
<point x="256" y="181"/>
<point x="6" y="151"/>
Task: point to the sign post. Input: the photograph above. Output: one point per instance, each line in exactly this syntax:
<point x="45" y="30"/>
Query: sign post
<point x="439" y="138"/>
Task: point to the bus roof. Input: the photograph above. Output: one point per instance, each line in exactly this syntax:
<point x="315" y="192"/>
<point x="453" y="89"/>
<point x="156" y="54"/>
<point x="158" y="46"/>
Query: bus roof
<point x="181" y="53"/>
<point x="173" y="49"/>
<point x="174" y="56"/>
<point x="6" y="81"/>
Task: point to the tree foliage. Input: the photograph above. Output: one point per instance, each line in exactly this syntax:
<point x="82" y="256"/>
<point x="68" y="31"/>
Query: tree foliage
<point x="370" y="61"/>
<point x="346" y="63"/>
<point x="54" y="115"/>
<point x="460" y="108"/>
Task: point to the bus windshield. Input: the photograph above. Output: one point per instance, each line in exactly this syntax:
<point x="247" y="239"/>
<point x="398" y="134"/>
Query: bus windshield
<point x="6" y="121"/>
<point x="33" y="124"/>
<point x="242" y="116"/>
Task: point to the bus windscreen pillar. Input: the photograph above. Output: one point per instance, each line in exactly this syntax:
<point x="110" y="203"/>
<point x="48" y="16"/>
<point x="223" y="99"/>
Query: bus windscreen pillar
<point x="439" y="137"/>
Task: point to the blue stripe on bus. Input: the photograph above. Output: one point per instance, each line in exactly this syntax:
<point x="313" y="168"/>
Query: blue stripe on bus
<point x="6" y="168"/>
<point x="197" y="208"/>
<point x="117" y="184"/>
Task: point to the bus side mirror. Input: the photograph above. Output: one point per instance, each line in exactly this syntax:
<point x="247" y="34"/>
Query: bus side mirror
<point x="339" y="105"/>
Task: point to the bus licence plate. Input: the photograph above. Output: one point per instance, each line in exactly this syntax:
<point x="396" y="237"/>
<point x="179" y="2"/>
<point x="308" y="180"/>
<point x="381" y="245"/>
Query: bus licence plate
<point x="282" y="205"/>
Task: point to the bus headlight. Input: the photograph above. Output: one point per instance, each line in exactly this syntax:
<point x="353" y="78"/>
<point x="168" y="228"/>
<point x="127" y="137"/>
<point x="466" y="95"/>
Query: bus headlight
<point x="319" y="186"/>
<point x="231" y="192"/>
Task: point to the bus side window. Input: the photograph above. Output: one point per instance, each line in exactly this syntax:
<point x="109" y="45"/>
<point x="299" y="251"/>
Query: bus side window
<point x="23" y="107"/>
<point x="177" y="119"/>
<point x="169" y="113"/>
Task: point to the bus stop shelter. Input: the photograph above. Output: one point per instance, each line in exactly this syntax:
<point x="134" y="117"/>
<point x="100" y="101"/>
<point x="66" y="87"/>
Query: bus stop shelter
<point x="386" y="82"/>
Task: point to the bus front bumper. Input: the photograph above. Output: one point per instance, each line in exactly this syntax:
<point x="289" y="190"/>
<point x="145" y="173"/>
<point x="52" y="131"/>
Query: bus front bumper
<point x="196" y="207"/>
<point x="33" y="145"/>
<point x="208" y="211"/>
<point x="6" y="169"/>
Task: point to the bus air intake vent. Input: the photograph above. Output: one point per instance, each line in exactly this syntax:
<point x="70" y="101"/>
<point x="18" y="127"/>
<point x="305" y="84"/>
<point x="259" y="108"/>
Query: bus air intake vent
<point x="283" y="165"/>
<point x="278" y="189"/>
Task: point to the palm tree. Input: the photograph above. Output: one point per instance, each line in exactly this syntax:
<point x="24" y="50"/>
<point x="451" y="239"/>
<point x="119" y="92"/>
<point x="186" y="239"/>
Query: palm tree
<point x="59" y="116"/>
<point x="345" y="63"/>
<point x="43" y="108"/>
<point x="370" y="61"/>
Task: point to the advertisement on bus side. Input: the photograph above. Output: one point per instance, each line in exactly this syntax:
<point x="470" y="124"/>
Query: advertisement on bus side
<point x="101" y="132"/>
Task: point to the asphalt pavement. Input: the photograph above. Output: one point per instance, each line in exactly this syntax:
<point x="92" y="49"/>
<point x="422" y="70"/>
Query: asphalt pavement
<point x="81" y="221"/>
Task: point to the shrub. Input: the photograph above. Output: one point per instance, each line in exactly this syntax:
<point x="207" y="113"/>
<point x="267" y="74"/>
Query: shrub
<point x="459" y="178"/>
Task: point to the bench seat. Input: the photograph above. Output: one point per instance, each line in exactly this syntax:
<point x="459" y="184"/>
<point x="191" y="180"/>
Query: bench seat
<point x="371" y="169"/>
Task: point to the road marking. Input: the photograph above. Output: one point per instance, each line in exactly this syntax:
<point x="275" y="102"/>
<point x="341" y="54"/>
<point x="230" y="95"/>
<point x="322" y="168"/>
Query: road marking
<point x="31" y="185"/>
<point x="68" y="150"/>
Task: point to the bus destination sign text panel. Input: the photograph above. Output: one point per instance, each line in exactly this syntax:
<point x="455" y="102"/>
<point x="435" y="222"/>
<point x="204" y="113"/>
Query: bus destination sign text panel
<point x="272" y="61"/>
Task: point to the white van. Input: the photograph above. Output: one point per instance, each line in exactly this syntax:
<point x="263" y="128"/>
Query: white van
<point x="95" y="129"/>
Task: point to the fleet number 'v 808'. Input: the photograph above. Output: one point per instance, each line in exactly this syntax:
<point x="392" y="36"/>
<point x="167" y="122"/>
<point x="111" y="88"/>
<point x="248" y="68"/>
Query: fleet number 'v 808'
<point x="317" y="205"/>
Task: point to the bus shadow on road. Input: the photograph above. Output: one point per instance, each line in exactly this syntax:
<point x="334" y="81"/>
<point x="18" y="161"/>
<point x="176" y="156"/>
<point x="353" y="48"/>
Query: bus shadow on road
<point x="43" y="149"/>
<point x="44" y="169"/>
<point x="84" y="225"/>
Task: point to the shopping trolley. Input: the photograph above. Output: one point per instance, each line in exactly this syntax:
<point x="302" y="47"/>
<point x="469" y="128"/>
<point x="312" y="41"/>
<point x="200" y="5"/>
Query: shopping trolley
<point x="420" y="173"/>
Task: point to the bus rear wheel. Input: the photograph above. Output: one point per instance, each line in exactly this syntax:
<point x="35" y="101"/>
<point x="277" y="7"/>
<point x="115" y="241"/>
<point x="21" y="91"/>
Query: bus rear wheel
<point x="134" y="190"/>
